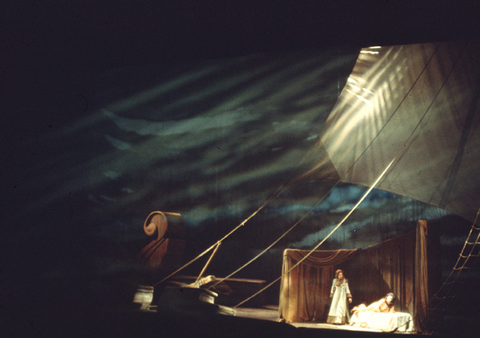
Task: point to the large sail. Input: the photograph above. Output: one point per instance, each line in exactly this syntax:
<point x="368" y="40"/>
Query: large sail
<point x="417" y="104"/>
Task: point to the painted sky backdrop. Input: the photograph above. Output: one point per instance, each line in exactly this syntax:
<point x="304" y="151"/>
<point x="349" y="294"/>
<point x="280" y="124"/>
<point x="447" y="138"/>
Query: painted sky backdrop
<point x="212" y="140"/>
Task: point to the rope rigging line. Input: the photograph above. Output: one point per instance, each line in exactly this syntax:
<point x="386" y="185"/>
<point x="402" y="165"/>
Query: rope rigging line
<point x="452" y="280"/>
<point x="217" y="243"/>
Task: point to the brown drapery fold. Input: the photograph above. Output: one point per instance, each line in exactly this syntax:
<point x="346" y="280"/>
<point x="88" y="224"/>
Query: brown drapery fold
<point x="398" y="265"/>
<point x="421" y="280"/>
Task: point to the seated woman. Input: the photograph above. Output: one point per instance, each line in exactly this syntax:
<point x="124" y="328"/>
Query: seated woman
<point x="385" y="304"/>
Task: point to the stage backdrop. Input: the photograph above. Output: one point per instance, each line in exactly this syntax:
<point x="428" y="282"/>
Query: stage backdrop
<point x="401" y="265"/>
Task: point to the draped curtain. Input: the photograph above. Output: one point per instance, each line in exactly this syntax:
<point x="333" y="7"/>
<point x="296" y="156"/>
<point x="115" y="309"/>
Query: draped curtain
<point x="398" y="265"/>
<point x="305" y="290"/>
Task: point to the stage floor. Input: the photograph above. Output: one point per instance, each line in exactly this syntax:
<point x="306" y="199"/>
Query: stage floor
<point x="270" y="313"/>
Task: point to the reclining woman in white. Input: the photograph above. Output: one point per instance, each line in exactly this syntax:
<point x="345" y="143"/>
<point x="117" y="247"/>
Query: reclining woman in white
<point x="381" y="315"/>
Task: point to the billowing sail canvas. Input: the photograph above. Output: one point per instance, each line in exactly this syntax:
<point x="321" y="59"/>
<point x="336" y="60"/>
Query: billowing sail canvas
<point x="419" y="106"/>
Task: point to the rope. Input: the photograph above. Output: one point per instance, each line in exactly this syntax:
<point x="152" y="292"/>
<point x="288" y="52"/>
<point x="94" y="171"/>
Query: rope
<point x="187" y="264"/>
<point x="447" y="287"/>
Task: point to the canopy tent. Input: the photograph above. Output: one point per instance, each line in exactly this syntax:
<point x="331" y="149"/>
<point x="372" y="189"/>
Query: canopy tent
<point x="406" y="265"/>
<point x="417" y="104"/>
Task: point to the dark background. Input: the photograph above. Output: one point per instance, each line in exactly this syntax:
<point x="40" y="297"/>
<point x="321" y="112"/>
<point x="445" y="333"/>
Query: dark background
<point x="65" y="243"/>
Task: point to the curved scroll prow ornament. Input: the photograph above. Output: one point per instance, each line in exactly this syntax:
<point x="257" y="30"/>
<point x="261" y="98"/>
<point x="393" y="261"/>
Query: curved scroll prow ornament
<point x="163" y="253"/>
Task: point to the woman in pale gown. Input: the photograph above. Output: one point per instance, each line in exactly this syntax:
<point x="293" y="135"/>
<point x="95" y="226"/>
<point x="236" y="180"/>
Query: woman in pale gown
<point x="340" y="295"/>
